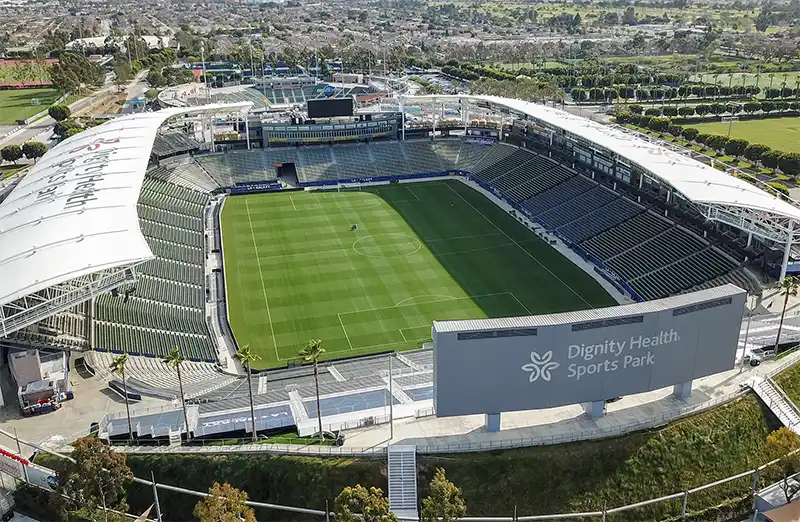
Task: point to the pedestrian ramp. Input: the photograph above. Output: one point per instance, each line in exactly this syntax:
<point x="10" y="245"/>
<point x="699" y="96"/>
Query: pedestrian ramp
<point x="403" y="481"/>
<point x="777" y="402"/>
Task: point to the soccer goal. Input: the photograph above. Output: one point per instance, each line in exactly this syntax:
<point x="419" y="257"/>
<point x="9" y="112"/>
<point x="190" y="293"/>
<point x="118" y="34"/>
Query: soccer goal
<point x="348" y="186"/>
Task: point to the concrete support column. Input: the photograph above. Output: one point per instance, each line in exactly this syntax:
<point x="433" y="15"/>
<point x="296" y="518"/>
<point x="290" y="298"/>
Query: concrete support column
<point x="786" y="251"/>
<point x="682" y="390"/>
<point x="247" y="129"/>
<point x="492" y="422"/>
<point x="402" y="118"/>
<point x="749" y="239"/>
<point x="594" y="409"/>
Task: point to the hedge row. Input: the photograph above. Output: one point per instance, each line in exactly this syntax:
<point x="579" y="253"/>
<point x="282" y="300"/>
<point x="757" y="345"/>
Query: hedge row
<point x="787" y="162"/>
<point x="716" y="109"/>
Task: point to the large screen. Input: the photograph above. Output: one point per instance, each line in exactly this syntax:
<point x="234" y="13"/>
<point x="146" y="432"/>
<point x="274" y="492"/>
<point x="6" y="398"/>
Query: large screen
<point x="330" y="108"/>
<point x="525" y="363"/>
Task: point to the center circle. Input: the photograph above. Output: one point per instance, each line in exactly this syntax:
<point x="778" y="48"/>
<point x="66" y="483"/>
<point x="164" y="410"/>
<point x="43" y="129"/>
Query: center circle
<point x="393" y="244"/>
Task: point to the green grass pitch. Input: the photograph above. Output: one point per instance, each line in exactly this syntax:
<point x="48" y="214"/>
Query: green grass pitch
<point x="15" y="104"/>
<point x="781" y="134"/>
<point x="296" y="271"/>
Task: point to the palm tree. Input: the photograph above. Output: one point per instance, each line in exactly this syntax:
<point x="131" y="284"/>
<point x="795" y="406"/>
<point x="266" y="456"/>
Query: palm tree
<point x="118" y="365"/>
<point x="175" y="359"/>
<point x="311" y="353"/>
<point x="247" y="358"/>
<point x="789" y="287"/>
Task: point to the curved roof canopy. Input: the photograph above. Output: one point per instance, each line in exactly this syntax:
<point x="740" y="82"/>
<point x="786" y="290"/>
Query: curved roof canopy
<point x="75" y="213"/>
<point x="696" y="181"/>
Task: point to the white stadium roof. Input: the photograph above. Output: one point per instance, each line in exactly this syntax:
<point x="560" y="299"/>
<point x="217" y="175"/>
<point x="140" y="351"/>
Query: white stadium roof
<point x="74" y="213"/>
<point x="696" y="181"/>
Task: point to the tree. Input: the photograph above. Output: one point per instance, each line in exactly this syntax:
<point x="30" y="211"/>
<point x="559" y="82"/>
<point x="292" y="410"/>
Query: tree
<point x="175" y="359"/>
<point x="789" y="287"/>
<point x="72" y="132"/>
<point x="352" y="503"/>
<point x="118" y="365"/>
<point x="311" y="353"/>
<point x="783" y="444"/>
<point x="59" y="112"/>
<point x="444" y="502"/>
<point x="736" y="146"/>
<point x="34" y="149"/>
<point x="653" y="111"/>
<point x="686" y="111"/>
<point x="717" y="142"/>
<point x="659" y="123"/>
<point x="224" y="503"/>
<point x="11" y="153"/>
<point x="754" y="151"/>
<point x="702" y="109"/>
<point x="61" y="127"/>
<point x="73" y="71"/>
<point x="247" y="358"/>
<point x="95" y="481"/>
<point x="769" y="158"/>
<point x="789" y="163"/>
<point x="671" y="111"/>
<point x="635" y="108"/>
<point x="690" y="133"/>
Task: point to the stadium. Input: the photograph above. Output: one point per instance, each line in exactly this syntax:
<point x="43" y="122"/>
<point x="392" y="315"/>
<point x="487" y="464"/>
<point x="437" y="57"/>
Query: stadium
<point x="378" y="234"/>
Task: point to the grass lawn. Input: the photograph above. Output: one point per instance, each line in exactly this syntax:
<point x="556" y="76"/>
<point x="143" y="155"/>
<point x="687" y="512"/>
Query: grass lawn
<point x="779" y="133"/>
<point x="16" y="105"/>
<point x="295" y="271"/>
<point x="582" y="476"/>
<point x="8" y="169"/>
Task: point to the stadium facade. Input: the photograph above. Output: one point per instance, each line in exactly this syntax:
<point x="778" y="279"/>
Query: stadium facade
<point x="124" y="208"/>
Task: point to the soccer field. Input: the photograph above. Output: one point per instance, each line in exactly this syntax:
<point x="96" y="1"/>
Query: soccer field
<point x="296" y="271"/>
<point x="781" y="134"/>
<point x="15" y="104"/>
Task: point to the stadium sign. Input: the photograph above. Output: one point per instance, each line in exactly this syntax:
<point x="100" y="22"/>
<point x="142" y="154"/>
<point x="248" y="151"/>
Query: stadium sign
<point x="524" y="363"/>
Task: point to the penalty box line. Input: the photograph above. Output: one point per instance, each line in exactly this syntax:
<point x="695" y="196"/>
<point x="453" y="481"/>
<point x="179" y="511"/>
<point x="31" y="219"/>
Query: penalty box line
<point x="395" y="307"/>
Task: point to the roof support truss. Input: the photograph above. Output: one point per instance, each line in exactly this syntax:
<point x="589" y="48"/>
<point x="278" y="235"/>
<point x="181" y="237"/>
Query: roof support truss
<point x="761" y="224"/>
<point x="36" y="307"/>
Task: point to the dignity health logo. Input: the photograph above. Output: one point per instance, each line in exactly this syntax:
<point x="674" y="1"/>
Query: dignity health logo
<point x="540" y="366"/>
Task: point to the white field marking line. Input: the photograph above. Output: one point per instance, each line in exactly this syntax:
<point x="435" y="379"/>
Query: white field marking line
<point x="520" y="303"/>
<point x="419" y="245"/>
<point x="402" y="335"/>
<point x="345" y="331"/>
<point x="414" y="328"/>
<point x="520" y="247"/>
<point x="395" y="306"/>
<point x="444" y="298"/>
<point x="294" y="207"/>
<point x="263" y="286"/>
<point x="416" y="198"/>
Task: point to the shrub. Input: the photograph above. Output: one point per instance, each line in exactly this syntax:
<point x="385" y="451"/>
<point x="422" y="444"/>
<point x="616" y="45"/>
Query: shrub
<point x="659" y="123"/>
<point x="59" y="112"/>
<point x="702" y="137"/>
<point x="675" y="130"/>
<point x="670" y="111"/>
<point x="690" y="133"/>
<point x="753" y="152"/>
<point x="702" y="109"/>
<point x="653" y="111"/>
<point x="769" y="158"/>
<point x="736" y="146"/>
<point x="751" y="107"/>
<point x="635" y="108"/>
<point x="789" y="163"/>
<point x="686" y="111"/>
<point x="780" y="188"/>
<point x="717" y="142"/>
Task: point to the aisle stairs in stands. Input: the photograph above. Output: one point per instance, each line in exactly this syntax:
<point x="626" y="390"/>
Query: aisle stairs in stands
<point x="403" y="481"/>
<point x="777" y="401"/>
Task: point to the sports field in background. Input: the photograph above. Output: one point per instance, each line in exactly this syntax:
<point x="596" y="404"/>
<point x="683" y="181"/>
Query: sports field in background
<point x="15" y="104"/>
<point x="424" y="251"/>
<point x="781" y="134"/>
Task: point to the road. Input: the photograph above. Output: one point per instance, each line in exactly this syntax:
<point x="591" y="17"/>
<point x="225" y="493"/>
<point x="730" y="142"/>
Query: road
<point x="42" y="129"/>
<point x="136" y="89"/>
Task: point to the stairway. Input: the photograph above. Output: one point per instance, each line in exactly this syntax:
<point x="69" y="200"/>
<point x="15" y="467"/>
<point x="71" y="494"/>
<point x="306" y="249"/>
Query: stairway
<point x="403" y="481"/>
<point x="778" y="402"/>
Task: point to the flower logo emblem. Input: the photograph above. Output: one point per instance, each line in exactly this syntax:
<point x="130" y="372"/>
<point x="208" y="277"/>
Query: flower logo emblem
<point x="540" y="366"/>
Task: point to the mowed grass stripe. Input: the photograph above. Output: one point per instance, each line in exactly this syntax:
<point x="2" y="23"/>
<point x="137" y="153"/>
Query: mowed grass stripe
<point x="431" y="251"/>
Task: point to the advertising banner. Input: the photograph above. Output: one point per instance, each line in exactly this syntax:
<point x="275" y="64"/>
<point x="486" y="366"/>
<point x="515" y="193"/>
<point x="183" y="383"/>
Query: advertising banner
<point x="525" y="363"/>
